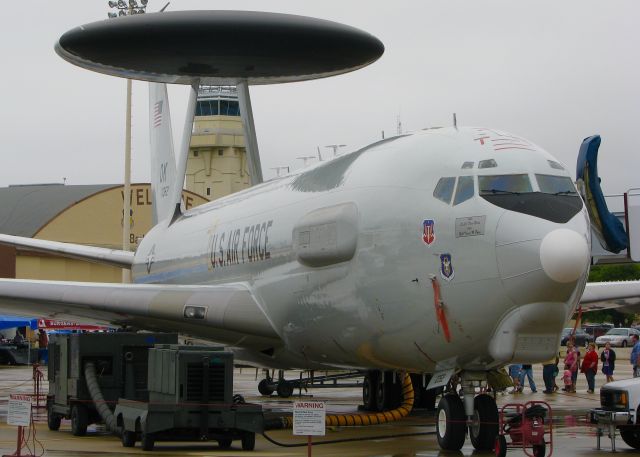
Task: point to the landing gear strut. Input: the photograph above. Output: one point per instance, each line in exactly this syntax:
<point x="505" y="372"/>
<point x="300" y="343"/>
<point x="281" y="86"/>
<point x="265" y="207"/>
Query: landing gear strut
<point x="477" y="413"/>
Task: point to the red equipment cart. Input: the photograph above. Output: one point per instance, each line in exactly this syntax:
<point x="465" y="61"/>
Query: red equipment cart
<point x="529" y="426"/>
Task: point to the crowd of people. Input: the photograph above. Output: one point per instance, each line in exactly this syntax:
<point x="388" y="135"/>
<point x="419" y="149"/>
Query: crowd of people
<point x="572" y="364"/>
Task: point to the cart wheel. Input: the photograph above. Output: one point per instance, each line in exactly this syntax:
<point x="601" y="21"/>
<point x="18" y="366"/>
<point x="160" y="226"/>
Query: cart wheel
<point x="53" y="419"/>
<point x="485" y="427"/>
<point x="128" y="438"/>
<point x="225" y="443"/>
<point x="148" y="441"/>
<point x="539" y="450"/>
<point x="500" y="446"/>
<point x="248" y="441"/>
<point x="451" y="426"/>
<point x="264" y="389"/>
<point x="79" y="420"/>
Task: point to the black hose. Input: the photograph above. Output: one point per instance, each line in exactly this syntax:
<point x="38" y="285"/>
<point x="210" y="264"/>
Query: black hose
<point x="346" y="440"/>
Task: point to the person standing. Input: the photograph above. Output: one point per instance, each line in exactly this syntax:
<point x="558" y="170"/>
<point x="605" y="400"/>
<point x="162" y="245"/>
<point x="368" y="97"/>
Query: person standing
<point x="635" y="353"/>
<point x="608" y="358"/>
<point x="590" y="367"/>
<point x="549" y="373"/>
<point x="514" y="372"/>
<point x="571" y="363"/>
<point x="527" y="371"/>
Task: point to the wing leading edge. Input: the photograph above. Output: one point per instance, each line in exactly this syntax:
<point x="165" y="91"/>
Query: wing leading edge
<point x="114" y="257"/>
<point x="228" y="314"/>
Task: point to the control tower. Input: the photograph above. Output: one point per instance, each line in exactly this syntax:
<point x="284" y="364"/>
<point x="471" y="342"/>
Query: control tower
<point x="217" y="163"/>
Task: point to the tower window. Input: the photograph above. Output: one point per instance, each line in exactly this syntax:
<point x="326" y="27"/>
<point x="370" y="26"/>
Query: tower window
<point x="220" y="152"/>
<point x="195" y="153"/>
<point x="208" y="191"/>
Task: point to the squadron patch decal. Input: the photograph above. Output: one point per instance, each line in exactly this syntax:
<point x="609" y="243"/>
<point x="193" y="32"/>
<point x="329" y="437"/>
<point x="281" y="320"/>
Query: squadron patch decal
<point x="446" y="267"/>
<point x="428" y="231"/>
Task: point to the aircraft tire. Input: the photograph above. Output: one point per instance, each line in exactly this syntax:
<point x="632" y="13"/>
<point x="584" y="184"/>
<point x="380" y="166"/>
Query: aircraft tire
<point x="285" y="389"/>
<point x="369" y="388"/>
<point x="483" y="434"/>
<point x="451" y="427"/>
<point x="388" y="393"/>
<point x="264" y="388"/>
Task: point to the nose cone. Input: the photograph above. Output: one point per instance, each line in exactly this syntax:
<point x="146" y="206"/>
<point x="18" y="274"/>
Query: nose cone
<point x="564" y="255"/>
<point x="540" y="261"/>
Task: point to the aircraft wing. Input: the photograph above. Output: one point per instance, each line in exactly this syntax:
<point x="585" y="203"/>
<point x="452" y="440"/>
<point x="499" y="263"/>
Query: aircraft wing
<point x="615" y="294"/>
<point x="114" y="257"/>
<point x="227" y="313"/>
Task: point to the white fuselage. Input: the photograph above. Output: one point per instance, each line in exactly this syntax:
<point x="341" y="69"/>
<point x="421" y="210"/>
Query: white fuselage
<point x="342" y="257"/>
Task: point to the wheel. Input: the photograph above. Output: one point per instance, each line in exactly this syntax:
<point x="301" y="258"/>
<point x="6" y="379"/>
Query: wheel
<point x="631" y="436"/>
<point x="451" y="427"/>
<point x="285" y="389"/>
<point x="79" y="420"/>
<point x="500" y="446"/>
<point x="539" y="450"/>
<point x="225" y="443"/>
<point x="128" y="438"/>
<point x="369" y="387"/>
<point x="485" y="427"/>
<point x="388" y="393"/>
<point x="264" y="388"/>
<point x="624" y="343"/>
<point x="148" y="441"/>
<point x="53" y="419"/>
<point x="248" y="441"/>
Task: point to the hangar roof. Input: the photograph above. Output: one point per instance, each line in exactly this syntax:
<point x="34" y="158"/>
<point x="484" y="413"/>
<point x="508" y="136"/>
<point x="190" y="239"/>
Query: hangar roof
<point x="25" y="209"/>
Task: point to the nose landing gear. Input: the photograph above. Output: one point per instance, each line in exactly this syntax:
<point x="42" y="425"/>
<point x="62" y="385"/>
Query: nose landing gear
<point x="477" y="413"/>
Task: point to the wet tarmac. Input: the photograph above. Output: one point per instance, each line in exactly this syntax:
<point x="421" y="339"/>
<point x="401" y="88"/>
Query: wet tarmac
<point x="412" y="436"/>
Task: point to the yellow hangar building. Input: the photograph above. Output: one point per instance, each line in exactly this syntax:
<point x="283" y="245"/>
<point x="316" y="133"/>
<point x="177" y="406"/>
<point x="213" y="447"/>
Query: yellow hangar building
<point x="93" y="214"/>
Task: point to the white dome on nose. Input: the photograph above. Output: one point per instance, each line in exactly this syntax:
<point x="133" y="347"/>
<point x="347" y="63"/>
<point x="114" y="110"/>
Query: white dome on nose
<point x="564" y="255"/>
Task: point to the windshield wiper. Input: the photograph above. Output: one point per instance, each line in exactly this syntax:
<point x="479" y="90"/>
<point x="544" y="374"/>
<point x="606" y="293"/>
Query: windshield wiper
<point x="498" y="191"/>
<point x="566" y="192"/>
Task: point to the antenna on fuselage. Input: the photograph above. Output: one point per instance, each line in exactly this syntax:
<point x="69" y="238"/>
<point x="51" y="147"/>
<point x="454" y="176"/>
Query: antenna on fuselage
<point x="455" y="121"/>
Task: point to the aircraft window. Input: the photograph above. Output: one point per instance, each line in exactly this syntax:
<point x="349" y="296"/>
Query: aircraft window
<point x="444" y="189"/>
<point x="557" y="185"/>
<point x="504" y="184"/>
<point x="555" y="165"/>
<point x="467" y="165"/>
<point x="490" y="163"/>
<point x="195" y="312"/>
<point x="465" y="190"/>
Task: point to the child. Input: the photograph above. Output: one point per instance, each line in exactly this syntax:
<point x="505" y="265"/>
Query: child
<point x="514" y="372"/>
<point x="568" y="381"/>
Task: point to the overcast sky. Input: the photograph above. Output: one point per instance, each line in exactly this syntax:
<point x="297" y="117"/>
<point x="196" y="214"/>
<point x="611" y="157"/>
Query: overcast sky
<point x="553" y="72"/>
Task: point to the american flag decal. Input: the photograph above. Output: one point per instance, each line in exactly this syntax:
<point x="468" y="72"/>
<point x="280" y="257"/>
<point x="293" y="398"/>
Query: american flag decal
<point x="157" y="114"/>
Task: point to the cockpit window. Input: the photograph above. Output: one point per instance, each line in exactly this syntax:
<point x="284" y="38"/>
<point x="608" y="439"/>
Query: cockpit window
<point x="489" y="163"/>
<point x="444" y="189"/>
<point x="467" y="165"/>
<point x="557" y="185"/>
<point x="556" y="165"/>
<point x="504" y="184"/>
<point x="465" y="190"/>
